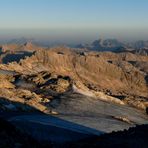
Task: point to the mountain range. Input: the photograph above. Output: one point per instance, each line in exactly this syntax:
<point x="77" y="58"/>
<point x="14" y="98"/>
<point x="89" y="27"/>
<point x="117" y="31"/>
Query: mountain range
<point x="97" y="45"/>
<point x="64" y="95"/>
<point x="116" y="46"/>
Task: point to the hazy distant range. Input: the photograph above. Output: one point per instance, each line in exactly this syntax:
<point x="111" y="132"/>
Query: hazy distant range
<point x="68" y="36"/>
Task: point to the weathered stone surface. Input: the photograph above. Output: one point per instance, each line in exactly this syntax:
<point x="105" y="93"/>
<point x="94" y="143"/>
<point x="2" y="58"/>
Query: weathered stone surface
<point x="106" y="75"/>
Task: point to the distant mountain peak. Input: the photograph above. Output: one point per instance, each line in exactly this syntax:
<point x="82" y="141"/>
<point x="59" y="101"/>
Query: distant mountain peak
<point x="104" y="45"/>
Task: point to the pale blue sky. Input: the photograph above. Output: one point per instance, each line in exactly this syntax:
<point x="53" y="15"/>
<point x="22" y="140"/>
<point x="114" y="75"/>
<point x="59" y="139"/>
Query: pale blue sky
<point x="72" y="18"/>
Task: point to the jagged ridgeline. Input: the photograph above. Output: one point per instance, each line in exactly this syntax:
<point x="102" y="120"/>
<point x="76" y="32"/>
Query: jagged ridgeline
<point x="120" y="75"/>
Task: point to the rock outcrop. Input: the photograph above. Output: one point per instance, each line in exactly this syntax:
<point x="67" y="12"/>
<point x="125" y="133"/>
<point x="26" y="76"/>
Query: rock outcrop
<point x="112" y="77"/>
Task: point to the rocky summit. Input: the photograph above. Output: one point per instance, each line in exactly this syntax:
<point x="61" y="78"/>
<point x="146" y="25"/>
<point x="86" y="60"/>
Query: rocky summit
<point x="75" y="90"/>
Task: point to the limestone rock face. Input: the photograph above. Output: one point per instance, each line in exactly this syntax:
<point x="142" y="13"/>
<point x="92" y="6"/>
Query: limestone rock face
<point x="15" y="52"/>
<point x="118" y="77"/>
<point x="23" y="100"/>
<point x="5" y="81"/>
<point x="104" y="70"/>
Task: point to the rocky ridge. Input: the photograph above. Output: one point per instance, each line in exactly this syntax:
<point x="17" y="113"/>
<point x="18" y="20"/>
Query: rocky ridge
<point x="111" y="77"/>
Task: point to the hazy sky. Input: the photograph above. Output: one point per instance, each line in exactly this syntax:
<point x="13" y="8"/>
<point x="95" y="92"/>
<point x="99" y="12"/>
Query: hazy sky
<point x="74" y="20"/>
